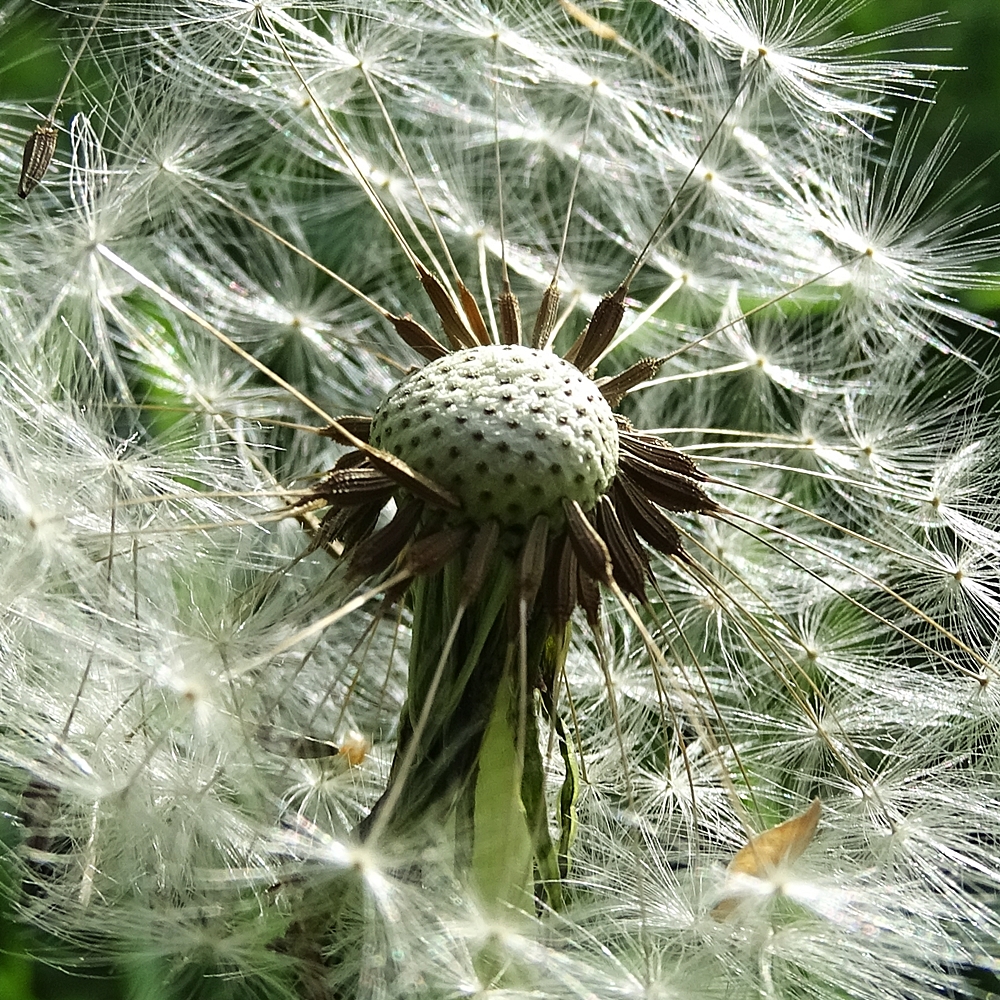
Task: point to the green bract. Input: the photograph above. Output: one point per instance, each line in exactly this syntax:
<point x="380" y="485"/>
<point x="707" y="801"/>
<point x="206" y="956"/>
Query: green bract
<point x="511" y="431"/>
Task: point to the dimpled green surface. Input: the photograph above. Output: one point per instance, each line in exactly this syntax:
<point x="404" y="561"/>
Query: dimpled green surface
<point x="511" y="431"/>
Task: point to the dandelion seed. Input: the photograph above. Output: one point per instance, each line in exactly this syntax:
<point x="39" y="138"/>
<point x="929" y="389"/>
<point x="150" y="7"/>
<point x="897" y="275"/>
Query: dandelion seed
<point x="38" y="153"/>
<point x="40" y="146"/>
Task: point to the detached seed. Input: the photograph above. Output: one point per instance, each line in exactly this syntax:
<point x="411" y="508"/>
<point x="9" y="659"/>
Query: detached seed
<point x="38" y="153"/>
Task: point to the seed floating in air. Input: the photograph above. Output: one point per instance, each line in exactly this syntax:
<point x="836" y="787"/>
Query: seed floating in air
<point x="38" y="153"/>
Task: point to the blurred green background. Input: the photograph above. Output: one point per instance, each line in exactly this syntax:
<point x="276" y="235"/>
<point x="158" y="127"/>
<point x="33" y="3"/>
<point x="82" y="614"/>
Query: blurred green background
<point x="31" y="70"/>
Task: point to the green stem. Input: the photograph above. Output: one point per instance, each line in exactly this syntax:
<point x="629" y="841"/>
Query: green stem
<point x="471" y="778"/>
<point x="502" y="848"/>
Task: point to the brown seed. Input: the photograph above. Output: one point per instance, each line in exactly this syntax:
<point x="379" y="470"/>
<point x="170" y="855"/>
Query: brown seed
<point x="38" y="153"/>
<point x="665" y="487"/>
<point x="38" y="809"/>
<point x="615" y="388"/>
<point x="348" y="525"/>
<point x="629" y="561"/>
<point x="532" y="564"/>
<point x="546" y="318"/>
<point x="480" y="558"/>
<point x="652" y="449"/>
<point x="600" y="331"/>
<point x="430" y="553"/>
<point x="455" y="328"/>
<point x="510" y="317"/>
<point x="415" y="336"/>
<point x="347" y="487"/>
<point x="588" y="597"/>
<point x="588" y="544"/>
<point x="562" y="596"/>
<point x="351" y="460"/>
<point x="471" y="309"/>
<point x="377" y="551"/>
<point x="359" y="426"/>
<point x="647" y="520"/>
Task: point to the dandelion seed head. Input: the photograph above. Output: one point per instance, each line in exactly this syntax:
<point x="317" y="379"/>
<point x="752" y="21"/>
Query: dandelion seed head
<point x="185" y="685"/>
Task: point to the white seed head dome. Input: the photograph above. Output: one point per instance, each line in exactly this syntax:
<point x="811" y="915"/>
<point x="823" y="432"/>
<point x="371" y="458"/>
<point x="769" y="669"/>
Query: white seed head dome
<point x="511" y="431"/>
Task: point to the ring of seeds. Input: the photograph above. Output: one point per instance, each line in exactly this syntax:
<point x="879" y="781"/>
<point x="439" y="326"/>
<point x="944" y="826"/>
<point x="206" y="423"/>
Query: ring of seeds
<point x="511" y="431"/>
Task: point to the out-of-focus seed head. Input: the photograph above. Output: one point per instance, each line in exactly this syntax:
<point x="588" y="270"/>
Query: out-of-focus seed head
<point x="510" y="430"/>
